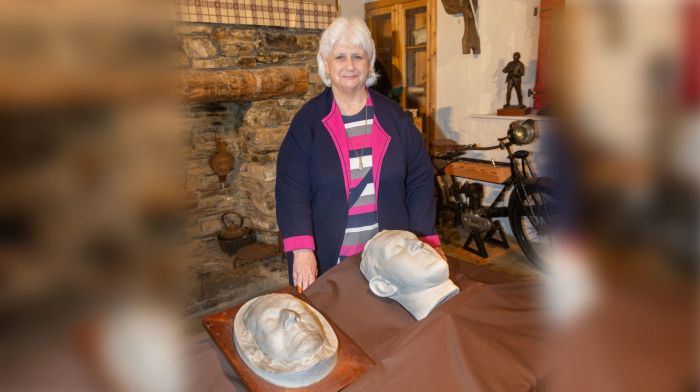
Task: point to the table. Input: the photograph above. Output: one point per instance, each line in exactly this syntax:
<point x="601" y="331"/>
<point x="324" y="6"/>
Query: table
<point x="489" y="337"/>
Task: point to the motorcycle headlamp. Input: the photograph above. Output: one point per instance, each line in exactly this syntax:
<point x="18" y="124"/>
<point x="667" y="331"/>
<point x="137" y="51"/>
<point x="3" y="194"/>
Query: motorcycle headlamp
<point x="522" y="132"/>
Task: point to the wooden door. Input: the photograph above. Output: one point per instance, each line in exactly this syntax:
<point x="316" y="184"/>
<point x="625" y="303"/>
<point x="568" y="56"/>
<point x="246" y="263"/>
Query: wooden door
<point x="549" y="11"/>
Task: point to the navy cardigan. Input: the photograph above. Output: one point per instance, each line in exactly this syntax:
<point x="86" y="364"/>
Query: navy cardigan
<point x="313" y="177"/>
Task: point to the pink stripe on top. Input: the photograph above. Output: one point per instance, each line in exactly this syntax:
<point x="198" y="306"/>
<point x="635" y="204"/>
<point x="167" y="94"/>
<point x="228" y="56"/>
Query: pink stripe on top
<point x="362" y="209"/>
<point x="353" y="183"/>
<point x="351" y="249"/>
<point x="361" y="141"/>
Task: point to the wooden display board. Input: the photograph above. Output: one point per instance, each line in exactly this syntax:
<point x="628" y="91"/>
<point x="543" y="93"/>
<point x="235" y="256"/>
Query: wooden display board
<point x="479" y="171"/>
<point x="352" y="361"/>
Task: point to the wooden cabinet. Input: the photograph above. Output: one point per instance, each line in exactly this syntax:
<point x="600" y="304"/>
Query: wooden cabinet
<point x="404" y="36"/>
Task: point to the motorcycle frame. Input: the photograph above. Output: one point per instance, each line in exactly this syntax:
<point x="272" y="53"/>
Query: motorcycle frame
<point x="521" y="173"/>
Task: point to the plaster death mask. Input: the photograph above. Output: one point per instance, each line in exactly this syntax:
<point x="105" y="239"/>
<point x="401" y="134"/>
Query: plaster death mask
<point x="284" y="340"/>
<point x="400" y="266"/>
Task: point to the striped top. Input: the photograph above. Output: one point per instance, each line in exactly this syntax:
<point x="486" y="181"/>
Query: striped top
<point x="362" y="215"/>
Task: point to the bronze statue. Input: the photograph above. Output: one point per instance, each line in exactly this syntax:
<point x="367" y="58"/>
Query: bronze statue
<point x="515" y="70"/>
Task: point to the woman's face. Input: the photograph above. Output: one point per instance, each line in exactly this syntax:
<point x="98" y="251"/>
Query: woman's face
<point x="347" y="67"/>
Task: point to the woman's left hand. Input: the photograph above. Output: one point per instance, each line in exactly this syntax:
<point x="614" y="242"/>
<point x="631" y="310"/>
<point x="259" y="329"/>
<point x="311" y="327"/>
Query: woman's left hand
<point x="441" y="252"/>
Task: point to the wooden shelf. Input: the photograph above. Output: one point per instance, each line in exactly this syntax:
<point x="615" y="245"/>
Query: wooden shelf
<point x="497" y="117"/>
<point x="414" y="47"/>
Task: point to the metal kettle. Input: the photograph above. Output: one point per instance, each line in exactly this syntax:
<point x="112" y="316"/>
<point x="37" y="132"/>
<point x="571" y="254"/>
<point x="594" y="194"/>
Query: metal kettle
<point x="234" y="235"/>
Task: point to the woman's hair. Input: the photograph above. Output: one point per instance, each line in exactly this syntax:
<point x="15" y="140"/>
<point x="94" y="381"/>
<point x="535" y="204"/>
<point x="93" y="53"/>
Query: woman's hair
<point x="348" y="31"/>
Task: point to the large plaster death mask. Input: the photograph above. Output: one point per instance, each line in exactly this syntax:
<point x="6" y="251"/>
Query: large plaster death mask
<point x="284" y="340"/>
<point x="400" y="266"/>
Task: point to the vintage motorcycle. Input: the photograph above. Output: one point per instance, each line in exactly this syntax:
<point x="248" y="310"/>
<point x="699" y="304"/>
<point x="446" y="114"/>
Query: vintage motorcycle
<point x="532" y="205"/>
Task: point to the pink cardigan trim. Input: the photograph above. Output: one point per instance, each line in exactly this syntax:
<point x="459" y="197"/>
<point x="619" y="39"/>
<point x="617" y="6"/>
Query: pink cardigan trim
<point x="335" y="127"/>
<point x="432" y="240"/>
<point x="380" y="143"/>
<point x="299" y="242"/>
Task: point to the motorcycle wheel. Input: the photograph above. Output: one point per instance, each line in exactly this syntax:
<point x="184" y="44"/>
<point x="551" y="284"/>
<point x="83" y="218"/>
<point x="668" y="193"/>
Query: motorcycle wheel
<point x="532" y="221"/>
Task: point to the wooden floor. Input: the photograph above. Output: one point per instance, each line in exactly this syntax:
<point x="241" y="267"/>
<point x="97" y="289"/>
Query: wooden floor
<point x="510" y="261"/>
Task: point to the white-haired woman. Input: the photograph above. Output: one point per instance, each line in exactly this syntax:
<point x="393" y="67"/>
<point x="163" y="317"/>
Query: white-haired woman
<point x="351" y="164"/>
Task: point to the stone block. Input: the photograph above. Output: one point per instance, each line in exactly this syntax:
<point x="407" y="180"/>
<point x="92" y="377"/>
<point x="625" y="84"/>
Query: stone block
<point x="189" y="28"/>
<point x="198" y="47"/>
<point x="237" y="49"/>
<point x="215" y="201"/>
<point x="208" y="183"/>
<point x="267" y="237"/>
<point x="227" y="35"/>
<point x="266" y="57"/>
<point x="264" y="140"/>
<point x="279" y="40"/>
<point x="211" y="226"/>
<point x="248" y="62"/>
<point x="308" y="42"/>
<point x="311" y="67"/>
<point x="265" y="205"/>
<point x="261" y="171"/>
<point x="268" y="224"/>
<point x="295" y="103"/>
<point x="265" y="104"/>
<point x="300" y="58"/>
<point x="261" y="156"/>
<point x="215" y="63"/>
<point x="266" y="117"/>
<point x="314" y="78"/>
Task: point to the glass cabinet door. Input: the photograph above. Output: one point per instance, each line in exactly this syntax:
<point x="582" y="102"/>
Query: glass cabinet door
<point x="382" y="27"/>
<point x="416" y="58"/>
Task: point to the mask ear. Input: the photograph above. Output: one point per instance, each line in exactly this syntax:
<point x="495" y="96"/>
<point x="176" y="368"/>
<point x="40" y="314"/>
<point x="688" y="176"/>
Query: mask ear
<point x="381" y="287"/>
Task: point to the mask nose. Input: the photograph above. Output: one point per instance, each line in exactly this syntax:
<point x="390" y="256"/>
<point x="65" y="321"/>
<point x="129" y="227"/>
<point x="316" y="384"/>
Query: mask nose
<point x="289" y="318"/>
<point x="416" y="246"/>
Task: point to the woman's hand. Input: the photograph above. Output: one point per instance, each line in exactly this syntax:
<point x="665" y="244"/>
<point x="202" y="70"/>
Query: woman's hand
<point x="441" y="252"/>
<point x="304" y="270"/>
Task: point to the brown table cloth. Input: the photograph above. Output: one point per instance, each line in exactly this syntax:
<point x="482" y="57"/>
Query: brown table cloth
<point x="489" y="337"/>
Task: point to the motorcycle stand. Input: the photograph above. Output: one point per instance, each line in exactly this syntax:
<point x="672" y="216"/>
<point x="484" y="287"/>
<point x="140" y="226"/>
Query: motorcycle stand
<point x="475" y="236"/>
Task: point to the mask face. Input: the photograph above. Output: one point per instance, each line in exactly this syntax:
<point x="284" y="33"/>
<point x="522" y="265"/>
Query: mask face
<point x="400" y="258"/>
<point x="284" y="340"/>
<point x="284" y="328"/>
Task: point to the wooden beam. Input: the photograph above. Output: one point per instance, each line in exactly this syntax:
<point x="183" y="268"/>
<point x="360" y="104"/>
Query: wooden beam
<point x="244" y="85"/>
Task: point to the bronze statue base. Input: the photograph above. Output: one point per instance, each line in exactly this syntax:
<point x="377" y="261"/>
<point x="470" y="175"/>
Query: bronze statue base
<point x="513" y="111"/>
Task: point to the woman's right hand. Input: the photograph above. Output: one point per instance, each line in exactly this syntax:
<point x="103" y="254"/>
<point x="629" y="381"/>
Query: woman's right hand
<point x="304" y="270"/>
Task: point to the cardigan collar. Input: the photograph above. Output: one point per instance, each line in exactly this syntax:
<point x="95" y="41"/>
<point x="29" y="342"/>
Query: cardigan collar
<point x="333" y="123"/>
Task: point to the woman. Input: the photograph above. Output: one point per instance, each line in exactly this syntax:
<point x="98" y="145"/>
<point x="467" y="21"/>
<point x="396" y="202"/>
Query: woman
<point x="351" y="164"/>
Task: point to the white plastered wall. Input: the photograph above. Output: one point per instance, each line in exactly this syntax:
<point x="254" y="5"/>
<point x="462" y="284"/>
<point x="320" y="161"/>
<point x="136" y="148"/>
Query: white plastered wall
<point x="352" y="8"/>
<point x="470" y="88"/>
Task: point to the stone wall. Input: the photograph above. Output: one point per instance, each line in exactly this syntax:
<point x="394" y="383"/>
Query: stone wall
<point x="253" y="131"/>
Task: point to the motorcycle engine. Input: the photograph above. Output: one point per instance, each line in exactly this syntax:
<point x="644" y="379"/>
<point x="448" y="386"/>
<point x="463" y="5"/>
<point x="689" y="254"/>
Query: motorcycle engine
<point x="472" y="219"/>
<point x="473" y="216"/>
